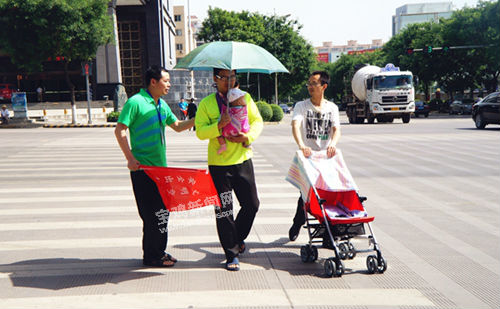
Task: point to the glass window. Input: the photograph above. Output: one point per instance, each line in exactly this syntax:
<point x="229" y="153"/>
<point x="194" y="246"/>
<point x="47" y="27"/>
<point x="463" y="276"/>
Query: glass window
<point x="178" y="46"/>
<point x="178" y="32"/>
<point x="388" y="82"/>
<point x="177" y="17"/>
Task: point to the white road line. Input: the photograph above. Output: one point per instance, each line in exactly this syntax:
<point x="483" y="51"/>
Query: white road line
<point x="97" y="173"/>
<point x="224" y="299"/>
<point x="208" y="219"/>
<point x="118" y="209"/>
<point x="84" y="168"/>
<point x="110" y="188"/>
<point x="127" y="197"/>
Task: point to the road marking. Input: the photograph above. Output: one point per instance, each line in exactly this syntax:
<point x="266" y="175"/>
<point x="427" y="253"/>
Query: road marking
<point x="114" y="197"/>
<point x="107" y="188"/>
<point x="208" y="219"/>
<point x="225" y="299"/>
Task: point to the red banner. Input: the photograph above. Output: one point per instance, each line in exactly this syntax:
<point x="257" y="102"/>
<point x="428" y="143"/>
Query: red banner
<point x="183" y="188"/>
<point x="323" y="57"/>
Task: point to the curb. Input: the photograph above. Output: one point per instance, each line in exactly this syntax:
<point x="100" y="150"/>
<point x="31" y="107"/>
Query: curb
<point x="79" y="125"/>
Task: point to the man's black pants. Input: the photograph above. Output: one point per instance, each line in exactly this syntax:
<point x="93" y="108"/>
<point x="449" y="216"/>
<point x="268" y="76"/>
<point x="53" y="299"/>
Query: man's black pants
<point x="241" y="179"/>
<point x="154" y="216"/>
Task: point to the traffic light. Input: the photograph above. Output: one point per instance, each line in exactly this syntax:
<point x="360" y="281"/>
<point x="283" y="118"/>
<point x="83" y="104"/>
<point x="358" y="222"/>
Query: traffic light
<point x="409" y="51"/>
<point x="446" y="49"/>
<point x="428" y="49"/>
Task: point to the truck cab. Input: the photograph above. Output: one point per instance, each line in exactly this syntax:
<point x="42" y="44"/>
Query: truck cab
<point x="390" y="94"/>
<point x="383" y="94"/>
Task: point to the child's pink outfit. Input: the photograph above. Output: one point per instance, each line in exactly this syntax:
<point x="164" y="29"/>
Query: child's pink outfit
<point x="239" y="119"/>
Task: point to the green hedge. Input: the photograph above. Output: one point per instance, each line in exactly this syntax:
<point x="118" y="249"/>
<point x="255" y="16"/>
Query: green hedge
<point x="277" y="113"/>
<point x="113" y="116"/>
<point x="265" y="110"/>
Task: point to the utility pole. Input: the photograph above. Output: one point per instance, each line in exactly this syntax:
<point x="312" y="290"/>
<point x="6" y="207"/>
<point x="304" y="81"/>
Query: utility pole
<point x="190" y="41"/>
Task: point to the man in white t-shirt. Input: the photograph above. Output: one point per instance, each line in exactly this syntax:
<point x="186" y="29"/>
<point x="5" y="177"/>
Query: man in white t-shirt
<point x="315" y="127"/>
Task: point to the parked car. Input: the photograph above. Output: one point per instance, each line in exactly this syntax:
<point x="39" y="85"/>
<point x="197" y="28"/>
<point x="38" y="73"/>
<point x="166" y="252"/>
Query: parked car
<point x="285" y="108"/>
<point x="487" y="111"/>
<point x="421" y="108"/>
<point x="6" y="91"/>
<point x="462" y="107"/>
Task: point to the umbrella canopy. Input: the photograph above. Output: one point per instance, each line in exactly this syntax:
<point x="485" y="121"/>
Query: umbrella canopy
<point x="239" y="56"/>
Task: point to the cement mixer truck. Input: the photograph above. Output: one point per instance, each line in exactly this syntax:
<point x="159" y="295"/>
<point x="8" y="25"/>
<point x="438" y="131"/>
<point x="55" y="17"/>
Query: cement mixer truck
<point x="381" y="93"/>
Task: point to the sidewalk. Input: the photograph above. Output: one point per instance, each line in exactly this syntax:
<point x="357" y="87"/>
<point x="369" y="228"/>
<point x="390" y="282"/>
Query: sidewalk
<point x="59" y="114"/>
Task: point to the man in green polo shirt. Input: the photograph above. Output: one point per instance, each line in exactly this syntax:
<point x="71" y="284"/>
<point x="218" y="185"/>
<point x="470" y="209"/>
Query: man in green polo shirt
<point x="145" y="115"/>
<point x="231" y="169"/>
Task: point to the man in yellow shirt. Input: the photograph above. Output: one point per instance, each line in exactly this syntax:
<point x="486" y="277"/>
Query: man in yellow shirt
<point x="232" y="169"/>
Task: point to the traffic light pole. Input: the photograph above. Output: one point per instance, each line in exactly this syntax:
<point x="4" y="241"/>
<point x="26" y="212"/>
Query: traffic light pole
<point x="430" y="49"/>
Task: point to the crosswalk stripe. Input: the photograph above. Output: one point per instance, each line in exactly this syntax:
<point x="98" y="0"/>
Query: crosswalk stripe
<point x="207" y="220"/>
<point x="115" y="197"/>
<point x="106" y="188"/>
<point x="97" y="173"/>
<point x="224" y="299"/>
<point x="116" y="209"/>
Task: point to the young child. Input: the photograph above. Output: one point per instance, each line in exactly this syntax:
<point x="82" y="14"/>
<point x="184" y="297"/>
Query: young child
<point x="239" y="117"/>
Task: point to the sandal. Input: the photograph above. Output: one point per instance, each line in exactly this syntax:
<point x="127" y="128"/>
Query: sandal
<point x="242" y="248"/>
<point x="234" y="265"/>
<point x="168" y="257"/>
<point x="163" y="262"/>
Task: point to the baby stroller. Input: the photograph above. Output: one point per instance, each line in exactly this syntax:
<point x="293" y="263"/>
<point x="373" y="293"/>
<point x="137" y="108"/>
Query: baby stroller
<point x="334" y="212"/>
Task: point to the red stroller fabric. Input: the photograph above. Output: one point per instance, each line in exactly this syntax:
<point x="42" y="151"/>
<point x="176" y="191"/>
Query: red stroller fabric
<point x="348" y="199"/>
<point x="183" y="188"/>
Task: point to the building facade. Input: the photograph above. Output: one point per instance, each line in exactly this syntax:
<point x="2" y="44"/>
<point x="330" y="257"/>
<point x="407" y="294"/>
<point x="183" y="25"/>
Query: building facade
<point x="331" y="53"/>
<point x="420" y="13"/>
<point x="145" y="35"/>
<point x="145" y="30"/>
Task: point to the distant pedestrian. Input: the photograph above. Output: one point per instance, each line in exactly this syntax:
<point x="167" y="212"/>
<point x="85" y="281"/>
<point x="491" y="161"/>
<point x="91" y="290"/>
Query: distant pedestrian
<point x="5" y="114"/>
<point x="191" y="110"/>
<point x="39" y="93"/>
<point x="183" y="105"/>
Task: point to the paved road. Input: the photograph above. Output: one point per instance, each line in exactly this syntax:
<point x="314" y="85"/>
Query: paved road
<point x="70" y="234"/>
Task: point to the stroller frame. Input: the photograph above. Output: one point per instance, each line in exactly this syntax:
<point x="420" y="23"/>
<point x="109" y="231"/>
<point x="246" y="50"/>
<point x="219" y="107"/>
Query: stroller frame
<point x="339" y="240"/>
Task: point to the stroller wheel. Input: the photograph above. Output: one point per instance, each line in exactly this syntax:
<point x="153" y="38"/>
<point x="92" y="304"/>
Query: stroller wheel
<point x="314" y="253"/>
<point x="352" y="251"/>
<point x="330" y="268"/>
<point x="304" y="254"/>
<point x="371" y="264"/>
<point x="382" y="265"/>
<point x="343" y="250"/>
<point x="340" y="269"/>
<point x="308" y="253"/>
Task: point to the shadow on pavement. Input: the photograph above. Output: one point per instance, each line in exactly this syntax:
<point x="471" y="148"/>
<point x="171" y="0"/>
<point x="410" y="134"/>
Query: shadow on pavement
<point x="269" y="256"/>
<point x="60" y="273"/>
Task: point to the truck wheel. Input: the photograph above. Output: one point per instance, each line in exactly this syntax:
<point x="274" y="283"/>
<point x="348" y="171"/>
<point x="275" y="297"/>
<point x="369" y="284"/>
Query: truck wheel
<point x="370" y="120"/>
<point x="406" y="118"/>
<point x="360" y="120"/>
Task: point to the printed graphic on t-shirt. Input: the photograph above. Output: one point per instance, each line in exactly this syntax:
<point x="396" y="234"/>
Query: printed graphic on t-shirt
<point x="318" y="125"/>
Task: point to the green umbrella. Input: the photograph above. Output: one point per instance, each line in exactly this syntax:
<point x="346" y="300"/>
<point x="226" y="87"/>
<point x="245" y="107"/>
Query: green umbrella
<point x="239" y="56"/>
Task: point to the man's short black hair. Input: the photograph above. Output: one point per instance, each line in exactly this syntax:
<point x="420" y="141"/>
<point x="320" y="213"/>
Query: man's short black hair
<point x="323" y="77"/>
<point x="217" y="70"/>
<point x="153" y="71"/>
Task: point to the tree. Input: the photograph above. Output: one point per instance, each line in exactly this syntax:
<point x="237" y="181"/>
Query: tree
<point x="36" y="30"/>
<point x="277" y="34"/>
<point x="476" y="67"/>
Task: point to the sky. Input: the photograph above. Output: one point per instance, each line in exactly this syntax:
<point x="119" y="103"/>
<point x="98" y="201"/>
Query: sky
<point x="336" y="21"/>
